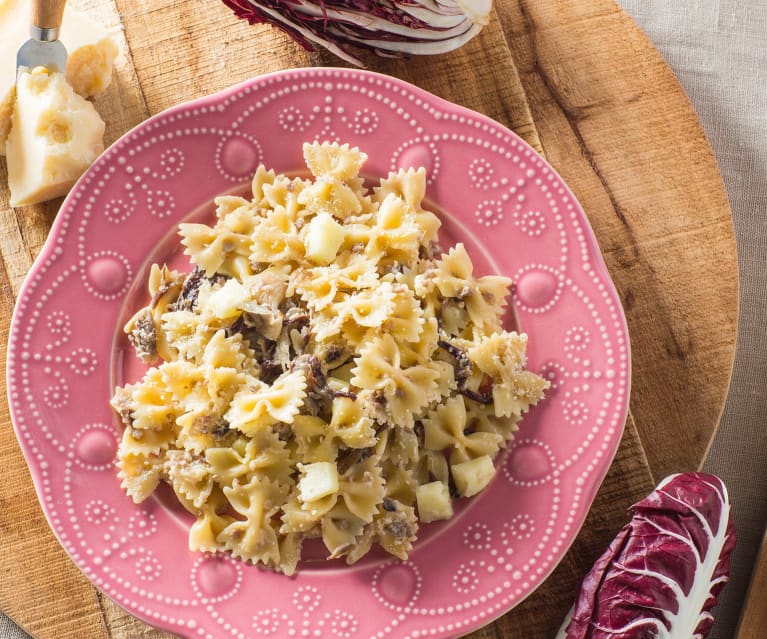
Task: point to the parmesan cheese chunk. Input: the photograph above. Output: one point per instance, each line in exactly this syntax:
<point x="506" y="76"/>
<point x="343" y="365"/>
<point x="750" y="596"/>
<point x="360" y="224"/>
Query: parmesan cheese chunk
<point x="324" y="237"/>
<point x="319" y="480"/>
<point x="228" y="301"/>
<point x="55" y="135"/>
<point x="434" y="501"/>
<point x="473" y="476"/>
<point x="91" y="54"/>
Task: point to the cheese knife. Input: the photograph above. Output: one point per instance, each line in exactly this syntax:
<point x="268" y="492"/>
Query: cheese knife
<point x="44" y="47"/>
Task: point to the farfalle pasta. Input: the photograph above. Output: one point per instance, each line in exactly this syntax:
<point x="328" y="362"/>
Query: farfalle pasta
<point x="323" y="371"/>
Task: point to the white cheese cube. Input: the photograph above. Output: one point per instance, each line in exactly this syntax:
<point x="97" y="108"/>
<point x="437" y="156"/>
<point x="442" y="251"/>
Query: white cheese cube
<point x="319" y="480"/>
<point x="91" y="54"/>
<point x="324" y="237"/>
<point x="433" y="501"/>
<point x="473" y="475"/>
<point x="55" y="135"/>
<point x="228" y="301"/>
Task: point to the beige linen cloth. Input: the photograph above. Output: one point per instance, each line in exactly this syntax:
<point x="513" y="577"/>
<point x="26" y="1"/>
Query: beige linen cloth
<point x="718" y="49"/>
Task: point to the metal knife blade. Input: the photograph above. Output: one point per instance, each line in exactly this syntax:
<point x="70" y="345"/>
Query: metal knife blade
<point x="36" y="53"/>
<point x="44" y="48"/>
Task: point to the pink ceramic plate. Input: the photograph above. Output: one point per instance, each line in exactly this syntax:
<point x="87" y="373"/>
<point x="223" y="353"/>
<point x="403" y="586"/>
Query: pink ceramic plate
<point x="497" y="195"/>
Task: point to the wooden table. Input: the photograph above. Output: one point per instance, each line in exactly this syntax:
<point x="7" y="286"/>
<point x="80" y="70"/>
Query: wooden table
<point x="581" y="83"/>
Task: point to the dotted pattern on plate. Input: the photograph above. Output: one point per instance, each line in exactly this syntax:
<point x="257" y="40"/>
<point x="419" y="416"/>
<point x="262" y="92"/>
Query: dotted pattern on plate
<point x="516" y="217"/>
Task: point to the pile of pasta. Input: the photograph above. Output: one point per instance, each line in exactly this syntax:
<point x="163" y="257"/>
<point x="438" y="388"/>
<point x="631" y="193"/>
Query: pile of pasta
<point x="323" y="371"/>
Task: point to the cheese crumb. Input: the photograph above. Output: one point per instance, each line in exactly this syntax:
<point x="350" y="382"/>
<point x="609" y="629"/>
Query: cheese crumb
<point x="55" y="135"/>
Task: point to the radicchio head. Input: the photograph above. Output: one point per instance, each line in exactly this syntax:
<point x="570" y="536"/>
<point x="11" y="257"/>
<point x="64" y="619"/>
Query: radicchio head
<point x="388" y="27"/>
<point x="662" y="574"/>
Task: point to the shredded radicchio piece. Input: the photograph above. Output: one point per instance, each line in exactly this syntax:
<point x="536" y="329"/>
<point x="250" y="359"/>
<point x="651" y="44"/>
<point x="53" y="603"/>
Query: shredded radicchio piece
<point x="332" y="354"/>
<point x="463" y="371"/>
<point x="312" y="366"/>
<point x="296" y="316"/>
<point x="221" y="428"/>
<point x="189" y="290"/>
<point x="419" y="430"/>
<point x="238" y="326"/>
<point x="316" y="379"/>
<point x="335" y="356"/>
<point x="271" y="369"/>
<point x="480" y="398"/>
<point x="462" y="361"/>
<point x="389" y="505"/>
<point x="349" y="457"/>
<point x="344" y="393"/>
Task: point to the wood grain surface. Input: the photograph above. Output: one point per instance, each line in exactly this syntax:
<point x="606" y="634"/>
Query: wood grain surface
<point x="581" y="83"/>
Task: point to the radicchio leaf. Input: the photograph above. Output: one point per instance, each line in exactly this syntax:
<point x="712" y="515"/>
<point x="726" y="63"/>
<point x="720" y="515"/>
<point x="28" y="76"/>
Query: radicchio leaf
<point x="662" y="574"/>
<point x="388" y="27"/>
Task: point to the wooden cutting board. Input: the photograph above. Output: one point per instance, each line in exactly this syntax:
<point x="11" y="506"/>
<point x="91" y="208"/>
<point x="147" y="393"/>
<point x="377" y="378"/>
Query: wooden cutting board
<point x="581" y="83"/>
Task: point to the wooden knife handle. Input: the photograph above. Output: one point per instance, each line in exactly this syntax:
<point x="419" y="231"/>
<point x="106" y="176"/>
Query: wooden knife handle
<point x="47" y="14"/>
<point x="753" y="619"/>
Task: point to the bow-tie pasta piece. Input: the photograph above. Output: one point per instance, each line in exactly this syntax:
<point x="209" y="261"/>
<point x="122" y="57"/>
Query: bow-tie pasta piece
<point x="410" y="185"/>
<point x="139" y="474"/>
<point x="258" y="405"/>
<point x="254" y="537"/>
<point x="190" y="478"/>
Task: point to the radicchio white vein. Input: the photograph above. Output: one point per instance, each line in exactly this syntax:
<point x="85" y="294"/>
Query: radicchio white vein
<point x="663" y="572"/>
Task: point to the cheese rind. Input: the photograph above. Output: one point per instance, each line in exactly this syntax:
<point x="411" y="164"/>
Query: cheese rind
<point x="55" y="135"/>
<point x="91" y="54"/>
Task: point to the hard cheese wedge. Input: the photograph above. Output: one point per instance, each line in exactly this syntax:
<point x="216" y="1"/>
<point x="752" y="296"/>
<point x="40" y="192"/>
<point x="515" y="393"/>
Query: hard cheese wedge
<point x="91" y="49"/>
<point x="55" y="135"/>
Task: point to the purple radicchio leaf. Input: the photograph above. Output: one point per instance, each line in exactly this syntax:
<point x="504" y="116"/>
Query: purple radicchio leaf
<point x="662" y="574"/>
<point x="387" y="27"/>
